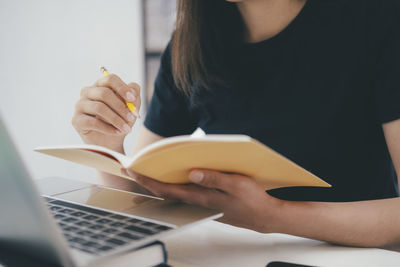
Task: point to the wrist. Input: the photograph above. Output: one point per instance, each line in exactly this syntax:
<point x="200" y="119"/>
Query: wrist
<point x="118" y="148"/>
<point x="277" y="215"/>
<point x="290" y="217"/>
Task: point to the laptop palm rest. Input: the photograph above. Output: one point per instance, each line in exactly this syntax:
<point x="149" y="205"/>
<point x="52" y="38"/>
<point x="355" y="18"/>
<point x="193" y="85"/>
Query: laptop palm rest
<point x="166" y="211"/>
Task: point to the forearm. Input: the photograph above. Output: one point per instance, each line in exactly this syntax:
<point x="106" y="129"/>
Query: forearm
<point x="374" y="223"/>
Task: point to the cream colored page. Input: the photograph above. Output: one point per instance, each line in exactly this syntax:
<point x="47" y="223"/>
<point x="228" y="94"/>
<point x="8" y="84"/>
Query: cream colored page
<point x="169" y="142"/>
<point x="87" y="158"/>
<point x="164" y="148"/>
<point x="269" y="168"/>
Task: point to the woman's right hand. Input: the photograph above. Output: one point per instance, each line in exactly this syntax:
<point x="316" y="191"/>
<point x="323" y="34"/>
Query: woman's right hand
<point x="101" y="116"/>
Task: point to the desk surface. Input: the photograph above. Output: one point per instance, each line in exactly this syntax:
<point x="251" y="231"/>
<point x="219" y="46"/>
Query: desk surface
<point x="216" y="244"/>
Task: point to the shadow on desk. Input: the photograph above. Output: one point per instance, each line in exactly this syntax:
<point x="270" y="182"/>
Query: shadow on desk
<point x="13" y="258"/>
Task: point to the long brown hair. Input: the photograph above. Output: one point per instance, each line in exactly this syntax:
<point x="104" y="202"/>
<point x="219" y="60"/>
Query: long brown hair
<point x="205" y="31"/>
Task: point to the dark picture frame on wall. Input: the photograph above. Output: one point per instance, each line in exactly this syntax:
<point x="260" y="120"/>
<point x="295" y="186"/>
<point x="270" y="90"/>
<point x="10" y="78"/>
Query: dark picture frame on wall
<point x="158" y="22"/>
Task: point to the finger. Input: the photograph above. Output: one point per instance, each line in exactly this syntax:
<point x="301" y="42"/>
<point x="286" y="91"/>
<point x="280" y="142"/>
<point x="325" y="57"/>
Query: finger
<point x="108" y="97"/>
<point x="136" y="89"/>
<point x="137" y="102"/>
<point x="85" y="123"/>
<point x="115" y="83"/>
<point x="188" y="193"/>
<point x="158" y="188"/>
<point x="231" y="183"/>
<point x="102" y="111"/>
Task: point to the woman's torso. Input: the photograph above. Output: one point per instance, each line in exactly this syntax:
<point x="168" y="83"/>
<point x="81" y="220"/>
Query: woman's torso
<point x="310" y="93"/>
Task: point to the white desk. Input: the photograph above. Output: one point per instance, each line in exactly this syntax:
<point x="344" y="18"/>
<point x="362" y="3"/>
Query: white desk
<point x="215" y="244"/>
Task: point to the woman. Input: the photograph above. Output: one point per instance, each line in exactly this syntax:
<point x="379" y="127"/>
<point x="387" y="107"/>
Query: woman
<point x="316" y="80"/>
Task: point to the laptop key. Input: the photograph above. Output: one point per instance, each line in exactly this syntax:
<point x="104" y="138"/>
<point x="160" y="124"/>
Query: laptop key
<point x="110" y="230"/>
<point x="149" y="224"/>
<point x="163" y="228"/>
<point x="105" y="248"/>
<point x="83" y="223"/>
<point x="55" y="208"/>
<point x="71" y="229"/>
<point x="69" y="219"/>
<point x="70" y="238"/>
<point x="118" y="224"/>
<point x="67" y="211"/>
<point x="59" y="216"/>
<point x="103" y="221"/>
<point x="96" y="227"/>
<point x="85" y="233"/>
<point x="119" y="217"/>
<point x="129" y="236"/>
<point x="77" y="240"/>
<point x="139" y="229"/>
<point x="91" y="217"/>
<point x="134" y="221"/>
<point x="82" y="249"/>
<point x="78" y="214"/>
<point x="92" y="244"/>
<point x="67" y="235"/>
<point x="115" y="241"/>
<point x="99" y="236"/>
<point x="87" y="251"/>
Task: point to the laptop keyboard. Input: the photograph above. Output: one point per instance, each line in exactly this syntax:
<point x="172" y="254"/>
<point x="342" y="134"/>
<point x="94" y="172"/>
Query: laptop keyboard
<point x="96" y="231"/>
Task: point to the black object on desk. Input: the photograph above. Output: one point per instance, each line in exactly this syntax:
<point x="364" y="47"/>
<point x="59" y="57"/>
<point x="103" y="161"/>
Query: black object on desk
<point x="13" y="258"/>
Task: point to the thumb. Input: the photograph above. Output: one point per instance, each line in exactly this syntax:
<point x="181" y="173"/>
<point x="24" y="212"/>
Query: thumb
<point x="229" y="183"/>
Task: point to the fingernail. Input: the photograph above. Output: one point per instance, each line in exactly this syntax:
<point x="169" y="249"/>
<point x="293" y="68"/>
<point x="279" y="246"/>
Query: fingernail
<point x="130" y="97"/>
<point x="196" y="176"/>
<point x="118" y="132"/>
<point x="136" y="113"/>
<point x="126" y="128"/>
<point x="130" y="117"/>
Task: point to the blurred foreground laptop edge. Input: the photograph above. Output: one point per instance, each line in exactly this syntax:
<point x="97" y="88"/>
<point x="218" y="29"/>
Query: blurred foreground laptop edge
<point x="72" y="223"/>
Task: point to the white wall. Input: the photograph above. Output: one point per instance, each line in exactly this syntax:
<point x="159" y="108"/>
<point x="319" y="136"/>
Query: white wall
<point x="49" y="50"/>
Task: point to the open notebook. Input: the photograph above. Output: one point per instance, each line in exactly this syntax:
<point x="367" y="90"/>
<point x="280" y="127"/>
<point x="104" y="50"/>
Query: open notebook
<point x="171" y="159"/>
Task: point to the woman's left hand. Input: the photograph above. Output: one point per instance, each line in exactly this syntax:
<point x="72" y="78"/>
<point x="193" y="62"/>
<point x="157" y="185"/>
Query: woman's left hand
<point x="243" y="202"/>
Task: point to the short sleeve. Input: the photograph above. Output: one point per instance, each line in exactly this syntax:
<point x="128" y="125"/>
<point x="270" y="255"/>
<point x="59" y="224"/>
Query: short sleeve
<point x="387" y="79"/>
<point x="169" y="113"/>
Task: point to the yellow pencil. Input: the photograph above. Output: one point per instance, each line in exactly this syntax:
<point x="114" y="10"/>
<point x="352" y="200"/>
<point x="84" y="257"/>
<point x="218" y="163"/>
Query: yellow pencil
<point x="130" y="105"/>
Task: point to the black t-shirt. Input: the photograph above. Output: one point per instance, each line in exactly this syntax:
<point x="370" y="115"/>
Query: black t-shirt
<point x="318" y="93"/>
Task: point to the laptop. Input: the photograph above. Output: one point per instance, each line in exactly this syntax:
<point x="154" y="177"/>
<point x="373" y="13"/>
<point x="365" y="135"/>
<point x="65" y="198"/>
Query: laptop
<point x="70" y="223"/>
